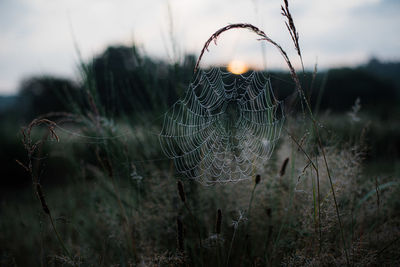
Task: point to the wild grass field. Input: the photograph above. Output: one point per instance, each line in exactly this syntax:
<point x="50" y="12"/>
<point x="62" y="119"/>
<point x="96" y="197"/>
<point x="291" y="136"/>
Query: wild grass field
<point x="113" y="210"/>
<point x="92" y="186"/>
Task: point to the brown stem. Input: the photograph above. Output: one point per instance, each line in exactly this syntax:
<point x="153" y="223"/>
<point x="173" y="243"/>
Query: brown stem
<point x="299" y="90"/>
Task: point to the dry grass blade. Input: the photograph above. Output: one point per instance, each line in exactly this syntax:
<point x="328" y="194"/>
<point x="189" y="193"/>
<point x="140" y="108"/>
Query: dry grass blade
<point x="22" y="165"/>
<point x="40" y="194"/>
<point x="31" y="147"/>
<point x="292" y="29"/>
<point x="264" y="37"/>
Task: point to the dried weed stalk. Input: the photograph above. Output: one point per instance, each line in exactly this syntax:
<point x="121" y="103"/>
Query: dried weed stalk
<point x="292" y="29"/>
<point x="299" y="91"/>
<point x="33" y="147"/>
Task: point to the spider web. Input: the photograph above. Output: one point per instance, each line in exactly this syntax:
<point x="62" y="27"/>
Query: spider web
<point x="225" y="128"/>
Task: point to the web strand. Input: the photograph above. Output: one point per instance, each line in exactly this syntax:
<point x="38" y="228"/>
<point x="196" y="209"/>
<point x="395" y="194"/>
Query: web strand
<point x="225" y="128"/>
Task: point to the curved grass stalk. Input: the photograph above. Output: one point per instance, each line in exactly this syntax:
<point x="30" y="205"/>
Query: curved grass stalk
<point x="299" y="90"/>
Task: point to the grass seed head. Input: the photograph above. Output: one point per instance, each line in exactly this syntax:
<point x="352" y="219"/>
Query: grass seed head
<point x="283" y="167"/>
<point x="219" y="222"/>
<point x="181" y="191"/>
<point x="269" y="212"/>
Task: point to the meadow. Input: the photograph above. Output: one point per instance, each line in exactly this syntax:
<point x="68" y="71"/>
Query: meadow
<point x="86" y="182"/>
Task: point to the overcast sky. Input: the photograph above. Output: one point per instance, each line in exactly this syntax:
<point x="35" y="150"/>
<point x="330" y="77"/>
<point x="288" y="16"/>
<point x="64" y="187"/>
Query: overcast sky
<point x="37" y="36"/>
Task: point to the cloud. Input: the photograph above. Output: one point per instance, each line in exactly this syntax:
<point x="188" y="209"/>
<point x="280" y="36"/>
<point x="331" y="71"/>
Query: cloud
<point x="36" y="34"/>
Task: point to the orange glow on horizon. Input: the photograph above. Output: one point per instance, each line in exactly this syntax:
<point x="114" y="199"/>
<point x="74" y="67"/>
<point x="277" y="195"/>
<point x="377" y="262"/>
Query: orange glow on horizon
<point x="237" y="67"/>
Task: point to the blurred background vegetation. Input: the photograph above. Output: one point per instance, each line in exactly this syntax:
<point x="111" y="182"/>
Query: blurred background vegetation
<point x="134" y="90"/>
<point x="131" y="85"/>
